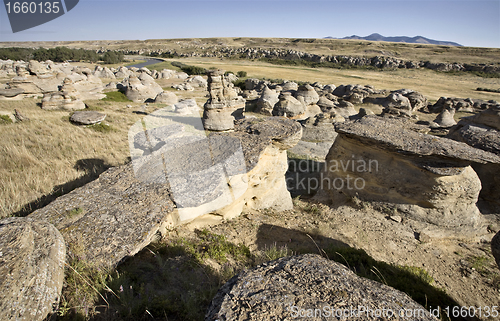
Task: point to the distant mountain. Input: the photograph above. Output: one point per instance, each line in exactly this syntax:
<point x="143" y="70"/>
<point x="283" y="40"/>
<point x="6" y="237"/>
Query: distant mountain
<point x="417" y="39"/>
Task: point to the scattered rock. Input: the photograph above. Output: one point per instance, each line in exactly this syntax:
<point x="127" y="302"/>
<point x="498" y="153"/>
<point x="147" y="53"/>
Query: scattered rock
<point x="87" y="117"/>
<point x="32" y="257"/>
<point x="300" y="285"/>
<point x="140" y="90"/>
<point x="307" y="95"/>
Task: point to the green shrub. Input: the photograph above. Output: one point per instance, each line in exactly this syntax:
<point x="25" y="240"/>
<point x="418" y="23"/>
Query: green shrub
<point x="241" y="74"/>
<point x="4" y="119"/>
<point x="102" y="128"/>
<point x="116" y="96"/>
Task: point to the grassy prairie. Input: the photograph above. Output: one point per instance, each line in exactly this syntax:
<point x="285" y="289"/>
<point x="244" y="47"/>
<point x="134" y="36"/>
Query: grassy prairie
<point x="48" y="156"/>
<point x="431" y="83"/>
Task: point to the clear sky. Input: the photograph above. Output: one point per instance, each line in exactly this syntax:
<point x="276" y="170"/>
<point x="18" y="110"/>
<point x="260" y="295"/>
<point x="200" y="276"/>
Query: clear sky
<point x="470" y="23"/>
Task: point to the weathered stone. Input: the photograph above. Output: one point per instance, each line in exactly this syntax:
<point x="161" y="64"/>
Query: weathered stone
<point x="223" y="102"/>
<point x="266" y="102"/>
<point x="397" y="104"/>
<point x="288" y="106"/>
<point x="325" y="104"/>
<point x="444" y="119"/>
<point x="280" y="289"/>
<point x="140" y="90"/>
<point x="11" y="92"/>
<point x="289" y="86"/>
<point x="32" y="257"/>
<point x="307" y="95"/>
<point x="486" y="138"/>
<point x="427" y="177"/>
<point x="489" y="117"/>
<point x="87" y="117"/>
<point x="187" y="107"/>
<point x="166" y="97"/>
<point x="67" y="98"/>
<point x="345" y="109"/>
<point x="320" y="128"/>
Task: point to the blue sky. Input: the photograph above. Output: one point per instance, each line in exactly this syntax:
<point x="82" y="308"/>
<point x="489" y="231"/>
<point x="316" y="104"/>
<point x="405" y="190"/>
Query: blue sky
<point x="471" y="23"/>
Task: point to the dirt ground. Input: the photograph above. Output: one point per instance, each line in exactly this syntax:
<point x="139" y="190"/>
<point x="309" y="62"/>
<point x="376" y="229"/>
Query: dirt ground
<point x="465" y="270"/>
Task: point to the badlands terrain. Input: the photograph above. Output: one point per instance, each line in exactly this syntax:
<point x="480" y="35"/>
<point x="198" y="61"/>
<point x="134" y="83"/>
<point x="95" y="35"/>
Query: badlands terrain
<point x="92" y="150"/>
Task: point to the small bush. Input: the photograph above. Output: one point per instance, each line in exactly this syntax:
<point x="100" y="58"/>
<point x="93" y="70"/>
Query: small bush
<point x="241" y="74"/>
<point x="116" y="96"/>
<point x="102" y="128"/>
<point x="5" y="119"/>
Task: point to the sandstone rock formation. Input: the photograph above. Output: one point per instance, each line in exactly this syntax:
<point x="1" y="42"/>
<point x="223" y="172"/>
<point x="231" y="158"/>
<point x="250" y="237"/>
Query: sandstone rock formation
<point x="444" y="119"/>
<point x="187" y="107"/>
<point x="67" y="98"/>
<point x="166" y="97"/>
<point x="166" y="184"/>
<point x="397" y="104"/>
<point x="266" y="102"/>
<point x="475" y="132"/>
<point x="428" y="179"/>
<point x="293" y="287"/>
<point x="223" y="102"/>
<point x="289" y="106"/>
<point x="87" y="117"/>
<point x="32" y="257"/>
<point x="140" y="89"/>
<point x="307" y="95"/>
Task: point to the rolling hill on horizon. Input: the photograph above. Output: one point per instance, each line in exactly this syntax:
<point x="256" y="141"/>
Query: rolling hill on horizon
<point x="405" y="39"/>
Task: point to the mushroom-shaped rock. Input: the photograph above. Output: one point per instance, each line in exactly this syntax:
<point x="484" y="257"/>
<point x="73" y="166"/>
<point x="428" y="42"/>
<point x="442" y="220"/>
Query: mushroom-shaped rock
<point x="300" y="285"/>
<point x="428" y="178"/>
<point x="32" y="260"/>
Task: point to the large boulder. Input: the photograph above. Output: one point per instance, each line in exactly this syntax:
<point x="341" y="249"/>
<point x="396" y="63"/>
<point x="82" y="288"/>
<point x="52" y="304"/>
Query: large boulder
<point x="166" y="97"/>
<point x="307" y="95"/>
<point x="397" y="104"/>
<point x="140" y="89"/>
<point x="474" y="132"/>
<point x="32" y="258"/>
<point x="266" y="102"/>
<point x="289" y="106"/>
<point x="309" y="286"/>
<point x="88" y="117"/>
<point x="426" y="178"/>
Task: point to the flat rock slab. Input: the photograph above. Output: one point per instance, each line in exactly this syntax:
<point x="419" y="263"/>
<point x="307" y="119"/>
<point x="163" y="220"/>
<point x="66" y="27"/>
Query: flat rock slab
<point x="390" y="135"/>
<point x="256" y="134"/>
<point x="293" y="287"/>
<point x="32" y="256"/>
<point x="110" y="218"/>
<point x="87" y="117"/>
<point x="11" y="92"/>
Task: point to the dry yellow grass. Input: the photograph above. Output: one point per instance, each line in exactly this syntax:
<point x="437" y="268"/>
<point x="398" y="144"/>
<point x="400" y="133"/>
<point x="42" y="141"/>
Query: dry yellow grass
<point x="431" y="83"/>
<point x="47" y="152"/>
